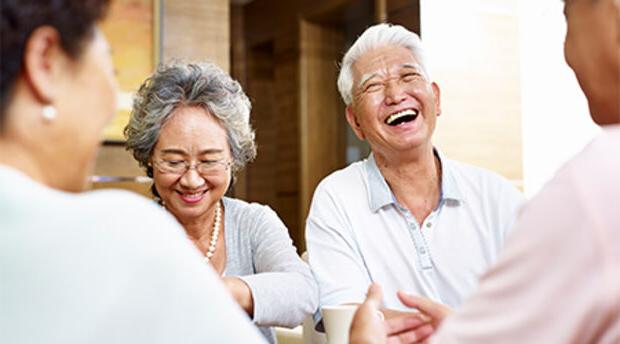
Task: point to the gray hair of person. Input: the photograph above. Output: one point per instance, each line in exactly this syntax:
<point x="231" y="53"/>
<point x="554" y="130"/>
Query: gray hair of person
<point x="374" y="37"/>
<point x="190" y="84"/>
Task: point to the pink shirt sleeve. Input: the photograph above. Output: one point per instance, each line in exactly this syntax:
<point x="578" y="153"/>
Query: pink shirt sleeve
<point x="558" y="278"/>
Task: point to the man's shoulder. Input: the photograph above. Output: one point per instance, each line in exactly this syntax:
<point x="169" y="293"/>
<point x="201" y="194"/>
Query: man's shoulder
<point x="346" y="177"/>
<point x="465" y="170"/>
<point x="475" y="181"/>
<point x="344" y="188"/>
<point x="475" y="176"/>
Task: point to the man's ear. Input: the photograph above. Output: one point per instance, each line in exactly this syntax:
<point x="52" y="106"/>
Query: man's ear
<point x="437" y="93"/>
<point x="352" y="119"/>
<point x="42" y="62"/>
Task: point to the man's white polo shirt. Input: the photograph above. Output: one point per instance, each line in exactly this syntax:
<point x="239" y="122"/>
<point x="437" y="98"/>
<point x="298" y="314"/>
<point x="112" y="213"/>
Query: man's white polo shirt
<point x="357" y="233"/>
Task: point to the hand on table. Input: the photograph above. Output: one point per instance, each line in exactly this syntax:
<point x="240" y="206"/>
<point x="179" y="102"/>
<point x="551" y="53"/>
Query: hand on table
<point x="241" y="293"/>
<point x="369" y="327"/>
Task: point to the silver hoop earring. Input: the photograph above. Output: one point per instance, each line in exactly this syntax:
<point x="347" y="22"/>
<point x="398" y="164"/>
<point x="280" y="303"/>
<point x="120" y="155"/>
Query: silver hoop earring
<point x="49" y="113"/>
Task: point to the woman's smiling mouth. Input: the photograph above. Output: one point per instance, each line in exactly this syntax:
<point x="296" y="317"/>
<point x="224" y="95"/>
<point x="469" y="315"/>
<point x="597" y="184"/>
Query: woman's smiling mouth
<point x="192" y="198"/>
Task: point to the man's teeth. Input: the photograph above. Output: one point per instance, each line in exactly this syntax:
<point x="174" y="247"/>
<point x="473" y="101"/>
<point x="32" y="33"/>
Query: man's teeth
<point x="398" y="115"/>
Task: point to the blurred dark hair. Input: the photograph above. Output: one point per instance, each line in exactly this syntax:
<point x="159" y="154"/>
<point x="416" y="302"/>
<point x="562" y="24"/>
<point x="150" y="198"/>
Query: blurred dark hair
<point x="74" y="19"/>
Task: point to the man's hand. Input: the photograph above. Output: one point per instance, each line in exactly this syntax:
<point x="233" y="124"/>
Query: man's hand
<point x="435" y="311"/>
<point x="369" y="327"/>
<point x="241" y="293"/>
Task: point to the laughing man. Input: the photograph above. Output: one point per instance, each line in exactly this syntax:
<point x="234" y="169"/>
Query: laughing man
<point x="407" y="216"/>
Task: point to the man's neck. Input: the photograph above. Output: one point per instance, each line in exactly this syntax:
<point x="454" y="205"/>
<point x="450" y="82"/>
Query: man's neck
<point x="415" y="180"/>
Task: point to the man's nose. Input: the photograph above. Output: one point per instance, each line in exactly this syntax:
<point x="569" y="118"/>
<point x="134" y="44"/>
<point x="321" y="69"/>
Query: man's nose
<point x="395" y="93"/>
<point x="192" y="179"/>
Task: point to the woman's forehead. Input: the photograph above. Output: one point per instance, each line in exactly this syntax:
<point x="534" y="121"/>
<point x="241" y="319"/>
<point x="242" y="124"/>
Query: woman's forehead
<point x="193" y="130"/>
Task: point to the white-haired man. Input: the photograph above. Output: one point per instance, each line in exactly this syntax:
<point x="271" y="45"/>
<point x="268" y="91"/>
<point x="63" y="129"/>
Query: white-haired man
<point x="406" y="217"/>
<point x="575" y="220"/>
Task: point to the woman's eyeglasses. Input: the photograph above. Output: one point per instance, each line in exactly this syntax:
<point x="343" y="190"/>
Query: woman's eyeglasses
<point x="180" y="167"/>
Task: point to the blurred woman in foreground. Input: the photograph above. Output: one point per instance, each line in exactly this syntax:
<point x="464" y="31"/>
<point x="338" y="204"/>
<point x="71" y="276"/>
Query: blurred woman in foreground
<point x="85" y="267"/>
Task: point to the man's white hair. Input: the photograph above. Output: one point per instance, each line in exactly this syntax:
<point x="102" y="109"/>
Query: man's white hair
<point x="375" y="37"/>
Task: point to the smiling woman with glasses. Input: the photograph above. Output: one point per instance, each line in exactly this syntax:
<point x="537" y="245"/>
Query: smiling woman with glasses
<point x="190" y="129"/>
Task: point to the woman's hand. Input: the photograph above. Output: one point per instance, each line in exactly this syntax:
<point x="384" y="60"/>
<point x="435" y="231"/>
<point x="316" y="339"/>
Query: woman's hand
<point x="369" y="327"/>
<point x="241" y="293"/>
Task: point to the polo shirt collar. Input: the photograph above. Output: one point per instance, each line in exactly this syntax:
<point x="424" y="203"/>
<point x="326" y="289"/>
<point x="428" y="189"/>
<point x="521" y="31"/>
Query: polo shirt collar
<point x="449" y="187"/>
<point x="380" y="194"/>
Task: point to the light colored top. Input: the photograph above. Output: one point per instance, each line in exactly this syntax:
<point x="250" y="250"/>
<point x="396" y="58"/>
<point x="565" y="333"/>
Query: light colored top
<point x="558" y="278"/>
<point x="104" y="267"/>
<point x="260" y="251"/>
<point x="357" y="233"/>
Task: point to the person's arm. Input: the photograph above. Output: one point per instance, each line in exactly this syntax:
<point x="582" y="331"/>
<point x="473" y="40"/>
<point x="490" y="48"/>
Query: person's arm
<point x="241" y="292"/>
<point x="333" y="252"/>
<point x="283" y="290"/>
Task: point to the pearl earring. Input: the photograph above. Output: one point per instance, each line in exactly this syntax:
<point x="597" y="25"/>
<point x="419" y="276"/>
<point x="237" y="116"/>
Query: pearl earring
<point x="49" y="112"/>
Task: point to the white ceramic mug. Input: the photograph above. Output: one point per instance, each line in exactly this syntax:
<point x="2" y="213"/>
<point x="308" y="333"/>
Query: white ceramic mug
<point x="337" y="321"/>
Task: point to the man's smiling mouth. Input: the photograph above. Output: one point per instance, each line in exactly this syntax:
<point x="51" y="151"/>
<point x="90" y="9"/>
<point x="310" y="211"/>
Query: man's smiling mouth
<point x="402" y="117"/>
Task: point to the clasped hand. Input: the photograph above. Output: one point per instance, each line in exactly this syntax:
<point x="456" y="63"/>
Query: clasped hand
<point x="415" y="327"/>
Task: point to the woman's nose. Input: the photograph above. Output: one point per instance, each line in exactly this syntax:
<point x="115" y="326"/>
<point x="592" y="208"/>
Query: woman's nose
<point x="192" y="179"/>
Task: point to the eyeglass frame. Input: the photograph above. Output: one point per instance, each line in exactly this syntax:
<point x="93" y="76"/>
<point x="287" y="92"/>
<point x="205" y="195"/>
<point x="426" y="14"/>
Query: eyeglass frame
<point x="188" y="166"/>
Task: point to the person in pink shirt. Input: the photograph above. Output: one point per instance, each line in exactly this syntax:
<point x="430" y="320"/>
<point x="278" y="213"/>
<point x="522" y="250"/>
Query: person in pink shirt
<point x="558" y="278"/>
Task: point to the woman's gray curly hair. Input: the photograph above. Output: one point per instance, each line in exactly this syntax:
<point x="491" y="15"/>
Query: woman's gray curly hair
<point x="190" y="84"/>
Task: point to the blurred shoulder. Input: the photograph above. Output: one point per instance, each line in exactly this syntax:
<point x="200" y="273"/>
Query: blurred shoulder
<point x="595" y="170"/>
<point x="584" y="192"/>
<point x="601" y="156"/>
<point x="124" y="208"/>
<point x="117" y="198"/>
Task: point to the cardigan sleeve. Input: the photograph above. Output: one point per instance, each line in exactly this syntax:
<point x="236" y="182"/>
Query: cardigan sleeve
<point x="283" y="288"/>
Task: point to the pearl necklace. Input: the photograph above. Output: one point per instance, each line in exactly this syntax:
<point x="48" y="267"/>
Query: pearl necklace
<point x="215" y="234"/>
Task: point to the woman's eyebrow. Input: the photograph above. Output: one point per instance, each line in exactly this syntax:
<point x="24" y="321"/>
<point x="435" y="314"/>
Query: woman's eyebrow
<point x="210" y="151"/>
<point x="173" y="151"/>
<point x="183" y="152"/>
